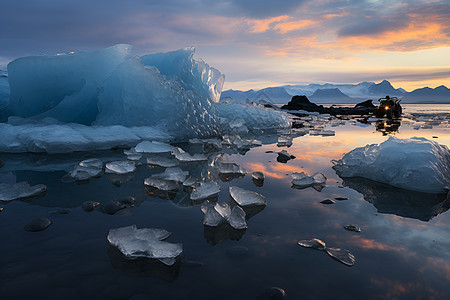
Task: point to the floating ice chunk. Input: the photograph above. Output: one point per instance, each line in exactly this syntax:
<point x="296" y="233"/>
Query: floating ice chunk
<point x="161" y="184"/>
<point x="237" y="218"/>
<point x="245" y="197"/>
<point x="92" y="163"/>
<point x="246" y="144"/>
<point x="120" y="167"/>
<point x="342" y="255"/>
<point x="314" y="243"/>
<point x="302" y="180"/>
<point x="212" y="217"/>
<point x="352" y="228"/>
<point x="153" y="147"/>
<point x="231" y="168"/>
<point x="327" y="201"/>
<point x="223" y="209"/>
<point x="20" y="190"/>
<point x="162" y="161"/>
<point x="284" y="141"/>
<point x="175" y="174"/>
<point x="86" y="169"/>
<point x="144" y="242"/>
<point x="191" y="182"/>
<point x="415" y="164"/>
<point x="183" y="156"/>
<point x="258" y="176"/>
<point x="205" y="190"/>
<point x="209" y="145"/>
<point x="134" y="157"/>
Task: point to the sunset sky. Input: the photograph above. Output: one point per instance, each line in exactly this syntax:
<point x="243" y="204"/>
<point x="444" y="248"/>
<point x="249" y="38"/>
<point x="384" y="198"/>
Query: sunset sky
<point x="255" y="43"/>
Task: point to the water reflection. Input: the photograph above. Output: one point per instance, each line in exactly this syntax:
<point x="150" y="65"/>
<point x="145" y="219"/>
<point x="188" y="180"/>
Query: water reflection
<point x="223" y="232"/>
<point x="145" y="266"/>
<point x="400" y="202"/>
<point x="387" y="126"/>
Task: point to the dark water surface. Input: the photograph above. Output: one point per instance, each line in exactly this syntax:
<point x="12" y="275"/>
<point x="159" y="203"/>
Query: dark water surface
<point x="402" y="251"/>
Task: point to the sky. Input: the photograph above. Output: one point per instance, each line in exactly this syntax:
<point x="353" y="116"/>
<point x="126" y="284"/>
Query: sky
<point x="255" y="43"/>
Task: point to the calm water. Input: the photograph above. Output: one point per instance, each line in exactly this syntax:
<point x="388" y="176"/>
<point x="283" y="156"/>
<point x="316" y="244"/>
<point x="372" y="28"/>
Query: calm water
<point x="402" y="251"/>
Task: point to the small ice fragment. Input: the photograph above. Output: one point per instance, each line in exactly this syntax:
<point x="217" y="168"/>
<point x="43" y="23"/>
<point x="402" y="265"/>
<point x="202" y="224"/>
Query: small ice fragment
<point x="134" y="157"/>
<point x="237" y="218"/>
<point x="340" y="198"/>
<point x="183" y="156"/>
<point x="161" y="184"/>
<point x="302" y="180"/>
<point x="38" y="224"/>
<point x="209" y="145"/>
<point x="145" y="242"/>
<point x="1" y="209"/>
<point x="91" y="163"/>
<point x="231" y="168"/>
<point x="342" y="255"/>
<point x="174" y="173"/>
<point x="284" y="141"/>
<point x="191" y="182"/>
<point x="212" y="217"/>
<point x="245" y="197"/>
<point x="120" y="167"/>
<point x="130" y="151"/>
<point x="246" y="144"/>
<point x="258" y="176"/>
<point x="352" y="228"/>
<point x="153" y="147"/>
<point x="223" y="209"/>
<point x="162" y="161"/>
<point x="314" y="243"/>
<point x="327" y="201"/>
<point x="20" y="190"/>
<point x="205" y="190"/>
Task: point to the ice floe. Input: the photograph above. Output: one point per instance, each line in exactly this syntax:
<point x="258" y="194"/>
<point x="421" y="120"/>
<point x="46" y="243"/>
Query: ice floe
<point x="205" y="190"/>
<point x="20" y="190"/>
<point x="302" y="180"/>
<point x="415" y="164"/>
<point x="120" y="167"/>
<point x="245" y="197"/>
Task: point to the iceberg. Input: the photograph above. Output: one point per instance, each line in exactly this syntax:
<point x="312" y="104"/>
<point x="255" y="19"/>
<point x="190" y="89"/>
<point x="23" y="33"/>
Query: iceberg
<point x="415" y="164"/>
<point x="115" y="98"/>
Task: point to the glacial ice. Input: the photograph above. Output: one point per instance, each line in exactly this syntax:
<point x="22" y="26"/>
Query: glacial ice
<point x="342" y="255"/>
<point x="86" y="169"/>
<point x="144" y="242"/>
<point x="314" y="243"/>
<point x="183" y="156"/>
<point x="258" y="175"/>
<point x="161" y="184"/>
<point x="205" y="190"/>
<point x="212" y="217"/>
<point x="415" y="164"/>
<point x="246" y="198"/>
<point x="20" y="190"/>
<point x="152" y="147"/>
<point x="120" y="167"/>
<point x="237" y="218"/>
<point x="302" y="180"/>
<point x="112" y="97"/>
<point x="162" y="161"/>
<point x="174" y="173"/>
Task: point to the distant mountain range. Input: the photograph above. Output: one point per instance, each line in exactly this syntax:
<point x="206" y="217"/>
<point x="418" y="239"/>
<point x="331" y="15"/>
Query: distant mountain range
<point x="341" y="93"/>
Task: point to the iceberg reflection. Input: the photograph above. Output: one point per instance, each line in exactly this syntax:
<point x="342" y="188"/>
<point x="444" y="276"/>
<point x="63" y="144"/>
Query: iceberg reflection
<point x="400" y="202"/>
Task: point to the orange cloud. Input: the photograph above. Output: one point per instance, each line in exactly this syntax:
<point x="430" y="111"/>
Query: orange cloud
<point x="259" y="26"/>
<point x="294" y="25"/>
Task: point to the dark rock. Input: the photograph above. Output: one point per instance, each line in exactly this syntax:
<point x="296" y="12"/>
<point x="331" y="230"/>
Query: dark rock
<point x="90" y="205"/>
<point x="327" y="201"/>
<point x="38" y="224"/>
<point x="128" y="201"/>
<point x="352" y="228"/>
<point x="112" y="207"/>
<point x="340" y="198"/>
<point x="303" y="103"/>
<point x="367" y="103"/>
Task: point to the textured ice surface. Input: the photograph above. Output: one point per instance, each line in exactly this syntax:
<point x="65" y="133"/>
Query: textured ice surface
<point x="237" y="218"/>
<point x="302" y="180"/>
<point x="342" y="255"/>
<point x="20" y="190"/>
<point x="120" y="167"/>
<point x="153" y="147"/>
<point x="223" y="209"/>
<point x="144" y="242"/>
<point x="86" y="169"/>
<point x="314" y="243"/>
<point x="183" y="156"/>
<point x="174" y="173"/>
<point x="258" y="175"/>
<point x="351" y="227"/>
<point x="231" y="168"/>
<point x="122" y="98"/>
<point x="415" y="164"/>
<point x="162" y="161"/>
<point x="245" y="197"/>
<point x="205" y="190"/>
<point x="212" y="217"/>
<point x="209" y="145"/>
<point x="161" y="184"/>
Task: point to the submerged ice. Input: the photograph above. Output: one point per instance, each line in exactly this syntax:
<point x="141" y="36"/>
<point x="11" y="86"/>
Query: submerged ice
<point x="415" y="164"/>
